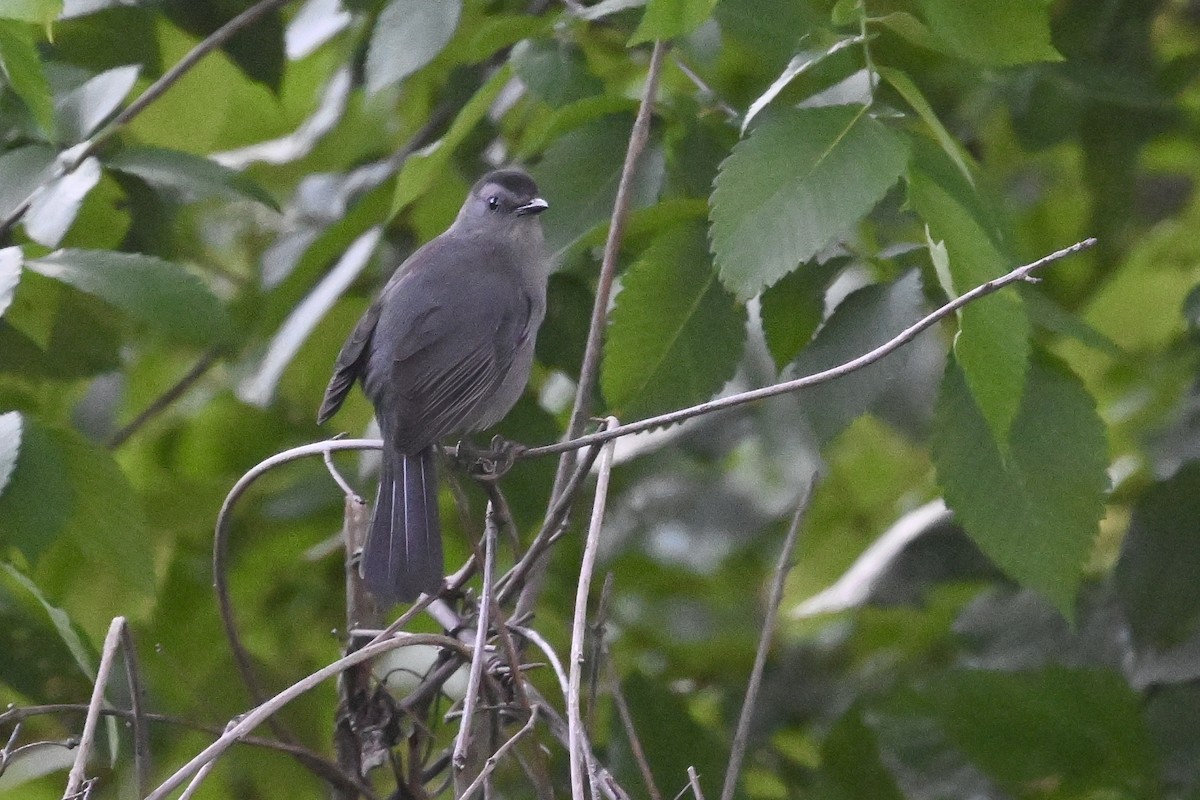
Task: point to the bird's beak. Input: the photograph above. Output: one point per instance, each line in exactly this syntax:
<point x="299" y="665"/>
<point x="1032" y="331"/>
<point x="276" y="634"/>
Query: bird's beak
<point x="535" y="206"/>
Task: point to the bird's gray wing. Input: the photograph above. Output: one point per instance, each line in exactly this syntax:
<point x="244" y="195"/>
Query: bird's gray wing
<point x="350" y="363"/>
<point x="454" y="359"/>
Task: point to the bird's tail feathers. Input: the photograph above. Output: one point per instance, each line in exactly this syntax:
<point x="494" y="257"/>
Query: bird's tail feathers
<point x="403" y="554"/>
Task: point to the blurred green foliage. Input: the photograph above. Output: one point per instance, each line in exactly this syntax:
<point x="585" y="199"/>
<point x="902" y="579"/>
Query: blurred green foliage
<point x="174" y="288"/>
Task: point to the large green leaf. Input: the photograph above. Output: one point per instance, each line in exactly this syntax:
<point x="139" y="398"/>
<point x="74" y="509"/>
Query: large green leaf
<point x="801" y="179"/>
<point x="39" y="496"/>
<point x="1034" y="506"/>
<point x="994" y="32"/>
<point x="579" y="176"/>
<point x="863" y="321"/>
<point x="666" y="19"/>
<point x="407" y="36"/>
<point x="1078" y="730"/>
<point x="801" y="63"/>
<point x="156" y="292"/>
<point x="676" y="334"/>
<point x="1156" y="576"/>
<point x="992" y="345"/>
<point x="192" y="176"/>
<point x="554" y="71"/>
<point x="792" y="309"/>
<point x="24" y="71"/>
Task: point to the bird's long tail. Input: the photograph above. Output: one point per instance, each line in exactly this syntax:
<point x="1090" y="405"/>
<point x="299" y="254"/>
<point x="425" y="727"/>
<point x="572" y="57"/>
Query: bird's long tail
<point x="403" y="554"/>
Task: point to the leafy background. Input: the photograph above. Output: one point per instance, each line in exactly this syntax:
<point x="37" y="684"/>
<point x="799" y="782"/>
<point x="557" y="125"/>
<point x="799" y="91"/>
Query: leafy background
<point x="818" y="176"/>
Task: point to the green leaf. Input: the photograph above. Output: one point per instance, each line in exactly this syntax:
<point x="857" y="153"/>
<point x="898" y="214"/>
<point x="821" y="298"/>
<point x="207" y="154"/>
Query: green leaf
<point x="794" y="307"/>
<point x="913" y="96"/>
<point x="38" y="498"/>
<point x="189" y="174"/>
<point x="24" y="169"/>
<point x="992" y="345"/>
<point x="676" y="335"/>
<point x="555" y="71"/>
<point x="863" y="321"/>
<point x="799" y="64"/>
<point x="107" y="525"/>
<point x="407" y="36"/>
<point x="1078" y="730"/>
<point x="156" y="292"/>
<point x="667" y="19"/>
<point x="1035" y="509"/>
<point x="83" y="109"/>
<point x="70" y="636"/>
<point x="422" y="167"/>
<point x="257" y="49"/>
<point x="579" y="174"/>
<point x="852" y="764"/>
<point x="1156" y="575"/>
<point x="23" y="69"/>
<point x="53" y="209"/>
<point x="40" y="12"/>
<point x="912" y="29"/>
<point x="994" y="32"/>
<point x="10" y="275"/>
<point x="801" y="179"/>
<point x="10" y="445"/>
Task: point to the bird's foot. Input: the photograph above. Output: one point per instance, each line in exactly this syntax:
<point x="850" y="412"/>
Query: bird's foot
<point x="488" y="464"/>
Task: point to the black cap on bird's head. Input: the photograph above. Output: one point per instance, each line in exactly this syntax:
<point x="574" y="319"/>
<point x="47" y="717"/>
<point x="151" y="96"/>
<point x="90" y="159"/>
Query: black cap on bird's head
<point x="502" y="195"/>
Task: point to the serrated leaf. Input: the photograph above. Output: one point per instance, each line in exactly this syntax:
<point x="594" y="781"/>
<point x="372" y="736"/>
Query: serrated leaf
<point x="52" y="210"/>
<point x="408" y="35"/>
<point x="10" y="445"/>
<point x="792" y="309"/>
<point x="10" y="275"/>
<point x="1079" y="730"/>
<point x="801" y="179"/>
<point x="800" y="63"/>
<point x="667" y="19"/>
<point x="1156" y="574"/>
<point x="25" y="74"/>
<point x="38" y="497"/>
<point x="83" y="109"/>
<point x="676" y="335"/>
<point x="994" y="32"/>
<point x="40" y="12"/>
<point x="1034" y="510"/>
<point x="863" y="321"/>
<point x="423" y="166"/>
<point x="156" y="292"/>
<point x="992" y="345"/>
<point x="913" y="96"/>
<point x="189" y="174"/>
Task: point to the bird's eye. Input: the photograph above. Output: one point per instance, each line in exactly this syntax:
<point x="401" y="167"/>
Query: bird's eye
<point x="493" y="202"/>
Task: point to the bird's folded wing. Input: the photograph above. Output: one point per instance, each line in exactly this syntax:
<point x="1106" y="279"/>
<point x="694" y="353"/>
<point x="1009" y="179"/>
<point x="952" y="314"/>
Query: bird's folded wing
<point x="349" y="364"/>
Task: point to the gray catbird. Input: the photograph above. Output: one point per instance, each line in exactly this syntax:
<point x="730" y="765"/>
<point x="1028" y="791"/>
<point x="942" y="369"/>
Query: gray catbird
<point x="445" y="349"/>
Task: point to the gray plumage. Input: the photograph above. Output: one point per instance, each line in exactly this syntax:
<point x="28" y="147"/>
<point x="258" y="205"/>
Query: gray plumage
<point x="446" y="349"/>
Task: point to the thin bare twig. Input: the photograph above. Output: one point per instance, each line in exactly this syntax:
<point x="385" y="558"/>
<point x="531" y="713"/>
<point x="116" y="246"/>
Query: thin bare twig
<point x="266" y="710"/>
<point x="590" y="368"/>
<point x="76" y="777"/>
<point x="579" y="626"/>
<point x="501" y="751"/>
<point x="635" y="741"/>
<point x="141" y="734"/>
<point x="782" y="568"/>
<point x="1018" y="275"/>
<point x="164" y="400"/>
<point x="481" y="635"/>
<point x="694" y="782"/>
<point x="729" y="111"/>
